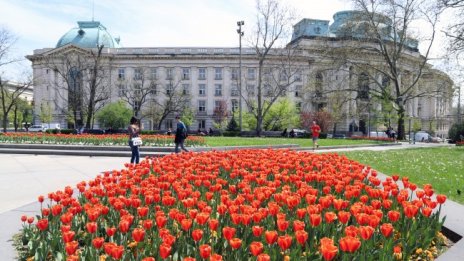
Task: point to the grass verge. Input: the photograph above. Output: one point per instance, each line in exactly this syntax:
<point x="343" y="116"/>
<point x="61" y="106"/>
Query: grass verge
<point x="441" y="167"/>
<point x="243" y="141"/>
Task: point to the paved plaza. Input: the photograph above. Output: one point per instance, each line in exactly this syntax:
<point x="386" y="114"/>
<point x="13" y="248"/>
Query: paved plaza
<point x="24" y="177"/>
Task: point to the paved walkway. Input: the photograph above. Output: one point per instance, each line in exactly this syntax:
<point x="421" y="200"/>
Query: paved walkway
<point x="24" y="177"/>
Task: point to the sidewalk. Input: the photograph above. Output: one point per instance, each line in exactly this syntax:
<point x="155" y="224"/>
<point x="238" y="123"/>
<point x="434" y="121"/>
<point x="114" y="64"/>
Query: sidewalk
<point x="24" y="177"/>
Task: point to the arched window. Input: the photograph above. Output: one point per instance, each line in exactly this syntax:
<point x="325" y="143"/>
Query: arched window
<point x="363" y="86"/>
<point x="319" y="82"/>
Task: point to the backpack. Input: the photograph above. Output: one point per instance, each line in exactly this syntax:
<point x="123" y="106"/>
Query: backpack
<point x="184" y="131"/>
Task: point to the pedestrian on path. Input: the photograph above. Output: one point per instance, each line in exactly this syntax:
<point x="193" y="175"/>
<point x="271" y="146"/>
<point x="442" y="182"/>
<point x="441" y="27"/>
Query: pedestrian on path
<point x="134" y="132"/>
<point x="315" y="130"/>
<point x="181" y="135"/>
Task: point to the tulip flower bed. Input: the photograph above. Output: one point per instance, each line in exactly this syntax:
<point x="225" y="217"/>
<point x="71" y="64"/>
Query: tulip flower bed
<point x="237" y="205"/>
<point x="89" y="139"/>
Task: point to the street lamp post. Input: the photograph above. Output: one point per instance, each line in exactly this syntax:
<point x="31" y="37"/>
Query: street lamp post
<point x="240" y="34"/>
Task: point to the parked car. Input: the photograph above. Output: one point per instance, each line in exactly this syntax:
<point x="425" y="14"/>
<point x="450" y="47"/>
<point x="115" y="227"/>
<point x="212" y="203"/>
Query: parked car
<point x="422" y="136"/>
<point x="37" y="128"/>
<point x="94" y="131"/>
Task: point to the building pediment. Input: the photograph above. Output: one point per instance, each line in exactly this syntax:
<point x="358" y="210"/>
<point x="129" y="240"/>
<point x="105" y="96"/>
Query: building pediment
<point x="65" y="50"/>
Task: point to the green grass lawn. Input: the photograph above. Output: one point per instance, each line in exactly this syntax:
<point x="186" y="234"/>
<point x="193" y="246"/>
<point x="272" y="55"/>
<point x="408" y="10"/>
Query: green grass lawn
<point x="442" y="167"/>
<point x="243" y="141"/>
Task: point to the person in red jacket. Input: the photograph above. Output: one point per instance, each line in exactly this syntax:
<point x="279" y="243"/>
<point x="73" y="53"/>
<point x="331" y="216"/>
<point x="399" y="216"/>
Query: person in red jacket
<point x="315" y="130"/>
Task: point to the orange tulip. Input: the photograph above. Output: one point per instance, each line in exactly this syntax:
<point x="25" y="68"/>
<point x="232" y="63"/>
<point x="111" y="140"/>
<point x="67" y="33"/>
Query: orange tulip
<point x="235" y="243"/>
<point x="205" y="251"/>
<point x="256" y="248"/>
<point x="71" y="247"/>
<point x="349" y="244"/>
<point x="271" y="237"/>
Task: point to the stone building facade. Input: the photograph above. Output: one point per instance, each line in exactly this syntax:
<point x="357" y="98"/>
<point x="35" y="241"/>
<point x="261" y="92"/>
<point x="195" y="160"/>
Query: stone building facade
<point x="210" y="78"/>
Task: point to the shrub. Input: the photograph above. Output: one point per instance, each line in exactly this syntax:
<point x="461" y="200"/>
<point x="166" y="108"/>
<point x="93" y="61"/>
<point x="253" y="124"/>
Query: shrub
<point x="456" y="132"/>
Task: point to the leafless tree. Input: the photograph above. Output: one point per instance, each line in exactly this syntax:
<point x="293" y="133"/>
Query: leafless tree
<point x="139" y="89"/>
<point x="10" y="92"/>
<point x="273" y="24"/>
<point x="455" y="30"/>
<point x="166" y="100"/>
<point x="81" y="80"/>
<point x="380" y="50"/>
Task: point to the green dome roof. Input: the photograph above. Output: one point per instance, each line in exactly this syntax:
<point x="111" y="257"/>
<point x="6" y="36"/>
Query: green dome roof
<point x="88" y="35"/>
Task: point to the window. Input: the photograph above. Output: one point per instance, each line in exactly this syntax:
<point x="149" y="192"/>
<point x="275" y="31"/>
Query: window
<point x="234" y="105"/>
<point x="298" y="90"/>
<point x="169" y="89"/>
<point x="218" y="105"/>
<point x="201" y="124"/>
<point x="138" y="75"/>
<point x="153" y="89"/>
<point x="297" y="76"/>
<point x="319" y="82"/>
<point x="121" y="74"/>
<point x="218" y="73"/>
<point x="267" y="74"/>
<point x="283" y="76"/>
<point x="201" y="73"/>
<point x="153" y="74"/>
<point x="234" y="90"/>
<point x="298" y="106"/>
<point x="185" y="74"/>
<point x="251" y="89"/>
<point x="202" y="106"/>
<point x="185" y="89"/>
<point x="363" y="86"/>
<point x="169" y="73"/>
<point x="234" y="74"/>
<point x="267" y="90"/>
<point x="169" y="124"/>
<point x="121" y="90"/>
<point x="137" y="90"/>
<point x="201" y="89"/>
<point x="137" y="105"/>
<point x="251" y="73"/>
<point x="47" y="71"/>
<point x="218" y="90"/>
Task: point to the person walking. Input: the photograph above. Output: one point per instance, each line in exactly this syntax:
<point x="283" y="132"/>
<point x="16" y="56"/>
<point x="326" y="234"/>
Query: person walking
<point x="181" y="135"/>
<point x="315" y="130"/>
<point x="134" y="132"/>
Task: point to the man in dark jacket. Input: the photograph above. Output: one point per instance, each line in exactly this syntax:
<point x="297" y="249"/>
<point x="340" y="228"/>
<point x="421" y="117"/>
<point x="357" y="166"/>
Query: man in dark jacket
<point x="181" y="135"/>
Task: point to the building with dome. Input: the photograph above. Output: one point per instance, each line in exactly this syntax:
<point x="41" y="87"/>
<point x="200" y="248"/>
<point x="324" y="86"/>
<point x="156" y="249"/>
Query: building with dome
<point x="206" y="79"/>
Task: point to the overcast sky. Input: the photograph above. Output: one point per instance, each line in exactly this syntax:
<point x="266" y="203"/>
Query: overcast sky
<point x="144" y="23"/>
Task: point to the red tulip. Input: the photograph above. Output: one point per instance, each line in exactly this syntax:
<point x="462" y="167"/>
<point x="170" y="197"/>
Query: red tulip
<point x="235" y="243"/>
<point x="98" y="242"/>
<point x="205" y="251"/>
<point x="263" y="257"/>
<point x="271" y="237"/>
<point x="42" y="224"/>
<point x="202" y="218"/>
<point x="441" y="198"/>
<point x="161" y="221"/>
<point x="328" y="250"/>
<point x="228" y="232"/>
<point x="301" y="236"/>
<point x="315" y="219"/>
<point x="23" y="218"/>
<point x="213" y="224"/>
<point x="91" y="227"/>
<point x="256" y="248"/>
<point x="117" y="251"/>
<point x="164" y="250"/>
<point x="142" y="211"/>
<point x="349" y="244"/>
<point x="138" y="234"/>
<point x="30" y="220"/>
<point x="410" y="210"/>
<point x="215" y="257"/>
<point x="186" y="224"/>
<point x="282" y="225"/>
<point x="284" y="242"/>
<point x="257" y="230"/>
<point x="66" y="218"/>
<point x="68" y="236"/>
<point x="330" y="216"/>
<point x="147" y="224"/>
<point x="110" y="231"/>
<point x="386" y="229"/>
<point x="344" y="216"/>
<point x="56" y="209"/>
<point x="366" y="232"/>
<point x="71" y="247"/>
<point x="393" y="215"/>
<point x="351" y="231"/>
<point x="197" y="234"/>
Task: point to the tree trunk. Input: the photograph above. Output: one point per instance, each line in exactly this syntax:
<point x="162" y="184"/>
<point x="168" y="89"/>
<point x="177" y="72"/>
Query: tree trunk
<point x="334" y="129"/>
<point x="401" y="122"/>
<point x="4" y="122"/>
